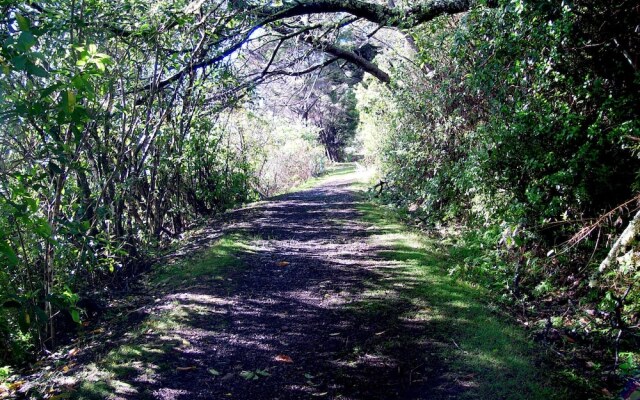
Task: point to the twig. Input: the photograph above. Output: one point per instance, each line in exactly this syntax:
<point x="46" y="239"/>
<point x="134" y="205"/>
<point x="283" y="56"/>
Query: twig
<point x="411" y="373"/>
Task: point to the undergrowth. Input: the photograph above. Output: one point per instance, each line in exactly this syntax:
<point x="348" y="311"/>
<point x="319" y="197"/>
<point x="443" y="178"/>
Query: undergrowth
<point x="486" y="350"/>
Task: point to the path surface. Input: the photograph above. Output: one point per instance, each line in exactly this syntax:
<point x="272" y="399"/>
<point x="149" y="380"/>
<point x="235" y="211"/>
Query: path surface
<point x="314" y="290"/>
<point x="306" y="310"/>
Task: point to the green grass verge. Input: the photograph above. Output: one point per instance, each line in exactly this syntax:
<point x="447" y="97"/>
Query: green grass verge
<point x="486" y="354"/>
<point x="332" y="171"/>
<point x="213" y="262"/>
<point x="154" y="343"/>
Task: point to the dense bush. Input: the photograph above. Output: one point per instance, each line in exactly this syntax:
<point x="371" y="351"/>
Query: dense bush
<point x="522" y="123"/>
<point x="107" y="153"/>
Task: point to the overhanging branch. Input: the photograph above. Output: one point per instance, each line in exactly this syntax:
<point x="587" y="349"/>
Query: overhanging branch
<point x="352" y="57"/>
<point x="377" y="13"/>
<point x="380" y="14"/>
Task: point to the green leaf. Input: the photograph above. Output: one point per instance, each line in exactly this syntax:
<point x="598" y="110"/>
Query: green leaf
<point x="213" y="372"/>
<point x="40" y="314"/>
<point x="80" y="83"/>
<point x="23" y="23"/>
<point x="75" y="315"/>
<point x="48" y="91"/>
<point x="26" y="40"/>
<point x="38" y="55"/>
<point x="19" y="62"/>
<point x="67" y="102"/>
<point x="248" y="375"/>
<point x="36" y="70"/>
<point x="8" y="253"/>
<point x="71" y="101"/>
<point x="99" y="65"/>
<point x="43" y="229"/>
<point x="24" y="321"/>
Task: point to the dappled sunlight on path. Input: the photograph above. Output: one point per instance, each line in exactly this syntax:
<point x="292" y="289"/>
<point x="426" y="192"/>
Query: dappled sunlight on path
<point x="319" y="304"/>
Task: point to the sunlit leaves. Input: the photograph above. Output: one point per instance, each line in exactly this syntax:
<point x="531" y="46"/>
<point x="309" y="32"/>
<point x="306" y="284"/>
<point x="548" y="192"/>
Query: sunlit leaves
<point x="8" y="254"/>
<point x="89" y="59"/>
<point x="94" y="172"/>
<point x="515" y="122"/>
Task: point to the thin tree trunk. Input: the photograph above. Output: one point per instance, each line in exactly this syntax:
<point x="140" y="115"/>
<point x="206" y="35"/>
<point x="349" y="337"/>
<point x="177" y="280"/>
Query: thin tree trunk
<point x="49" y="256"/>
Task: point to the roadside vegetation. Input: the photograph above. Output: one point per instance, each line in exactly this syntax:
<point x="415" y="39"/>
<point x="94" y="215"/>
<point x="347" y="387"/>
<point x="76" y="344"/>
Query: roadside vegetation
<point x="523" y="148"/>
<point x="481" y="343"/>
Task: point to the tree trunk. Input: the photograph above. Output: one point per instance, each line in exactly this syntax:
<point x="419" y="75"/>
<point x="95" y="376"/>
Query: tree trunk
<point x="631" y="232"/>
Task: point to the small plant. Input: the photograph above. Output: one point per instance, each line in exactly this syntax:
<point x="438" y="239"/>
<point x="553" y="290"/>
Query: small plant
<point x="5" y="373"/>
<point x="629" y="364"/>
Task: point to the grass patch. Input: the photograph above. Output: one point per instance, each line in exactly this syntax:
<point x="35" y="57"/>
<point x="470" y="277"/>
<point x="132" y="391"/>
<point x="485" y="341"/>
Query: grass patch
<point x="488" y="357"/>
<point x="332" y="171"/>
<point x="213" y="263"/>
<point x="153" y="346"/>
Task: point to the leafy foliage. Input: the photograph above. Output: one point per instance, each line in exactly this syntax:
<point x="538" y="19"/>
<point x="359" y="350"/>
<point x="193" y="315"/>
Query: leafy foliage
<point x="102" y="162"/>
<point x="521" y="122"/>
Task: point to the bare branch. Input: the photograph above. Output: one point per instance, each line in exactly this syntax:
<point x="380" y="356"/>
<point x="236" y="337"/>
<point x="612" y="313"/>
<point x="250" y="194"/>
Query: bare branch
<point x="380" y="14"/>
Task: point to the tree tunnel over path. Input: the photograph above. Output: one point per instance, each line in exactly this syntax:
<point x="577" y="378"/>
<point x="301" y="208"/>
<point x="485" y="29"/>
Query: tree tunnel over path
<point x="156" y="239"/>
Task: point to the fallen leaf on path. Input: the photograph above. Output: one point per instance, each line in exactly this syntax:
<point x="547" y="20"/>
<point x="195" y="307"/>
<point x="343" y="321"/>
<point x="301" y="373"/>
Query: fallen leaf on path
<point x="282" y="263"/>
<point x="16" y="385"/>
<point x="213" y="372"/>
<point x="73" y="352"/>
<point x="283" y="358"/>
<point x="186" y="368"/>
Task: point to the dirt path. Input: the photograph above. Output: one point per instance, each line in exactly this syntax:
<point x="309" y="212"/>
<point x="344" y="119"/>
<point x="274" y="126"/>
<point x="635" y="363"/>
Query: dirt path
<point x="306" y="310"/>
<point x="311" y="311"/>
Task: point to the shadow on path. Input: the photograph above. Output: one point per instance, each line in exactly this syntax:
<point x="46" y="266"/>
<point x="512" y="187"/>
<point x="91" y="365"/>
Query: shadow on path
<point x="314" y="290"/>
